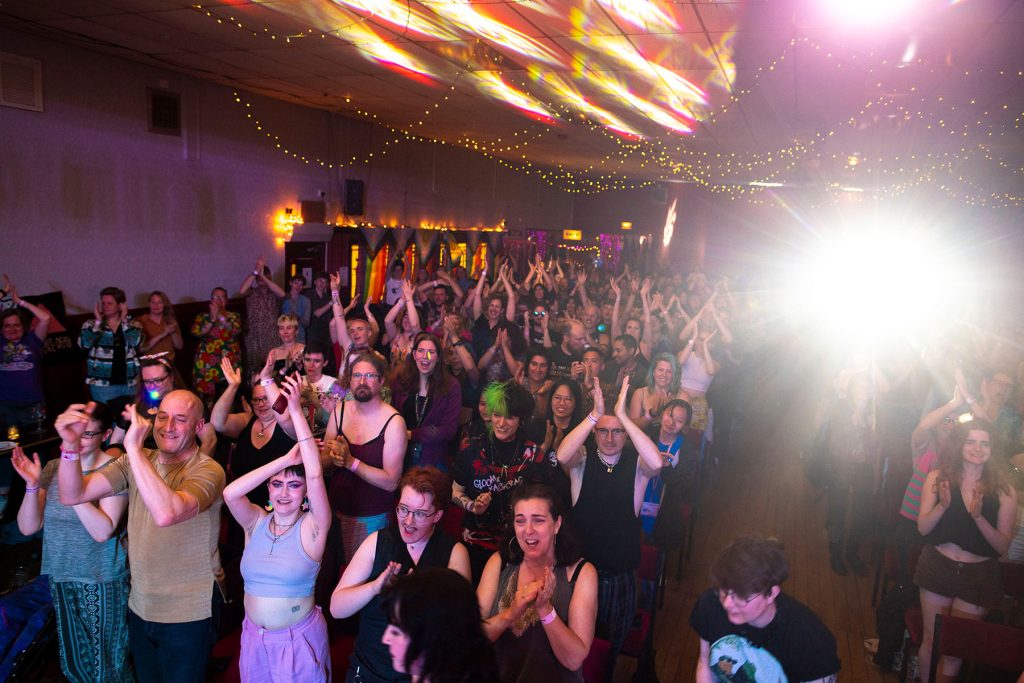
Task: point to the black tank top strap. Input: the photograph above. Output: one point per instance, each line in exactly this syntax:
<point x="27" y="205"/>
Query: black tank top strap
<point x="576" y="573"/>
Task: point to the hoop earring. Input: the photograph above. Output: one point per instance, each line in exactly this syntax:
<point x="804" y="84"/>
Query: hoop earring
<point x="510" y="542"/>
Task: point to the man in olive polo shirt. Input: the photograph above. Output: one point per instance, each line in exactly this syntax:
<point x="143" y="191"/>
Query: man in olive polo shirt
<point x="173" y="521"/>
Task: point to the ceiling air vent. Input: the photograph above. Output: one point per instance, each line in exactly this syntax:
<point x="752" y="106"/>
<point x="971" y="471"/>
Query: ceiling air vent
<point x="164" y="112"/>
<point x="21" y="82"/>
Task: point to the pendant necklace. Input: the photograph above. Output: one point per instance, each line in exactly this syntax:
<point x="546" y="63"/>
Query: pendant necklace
<point x="263" y="427"/>
<point x="286" y="527"/>
<point x="605" y="463"/>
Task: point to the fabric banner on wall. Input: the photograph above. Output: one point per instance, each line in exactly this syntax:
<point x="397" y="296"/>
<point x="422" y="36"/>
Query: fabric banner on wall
<point x="61" y="345"/>
<point x="374" y="237"/>
<point x="426" y="242"/>
<point x="401" y="236"/>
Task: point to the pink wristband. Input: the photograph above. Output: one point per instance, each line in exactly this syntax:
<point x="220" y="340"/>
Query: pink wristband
<point x="68" y="455"/>
<point x="352" y="466"/>
<point x="549" y="618"/>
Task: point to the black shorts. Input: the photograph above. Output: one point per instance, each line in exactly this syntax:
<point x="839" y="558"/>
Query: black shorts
<point x="977" y="583"/>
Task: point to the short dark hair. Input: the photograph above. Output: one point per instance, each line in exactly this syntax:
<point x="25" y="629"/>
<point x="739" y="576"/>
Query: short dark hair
<point x="321" y="275"/>
<point x="115" y="292"/>
<point x="300" y="278"/>
<point x="316" y="347"/>
<point x="15" y="313"/>
<point x="628" y="341"/>
<point x="750" y="565"/>
<point x="597" y="350"/>
<point x="219" y="289"/>
<point x="678" y="403"/>
<point x="437" y="609"/>
<point x="104" y="415"/>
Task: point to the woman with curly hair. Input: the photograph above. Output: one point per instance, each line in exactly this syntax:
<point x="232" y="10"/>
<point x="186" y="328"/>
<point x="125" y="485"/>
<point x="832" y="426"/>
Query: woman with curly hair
<point x="967" y="515"/>
<point x="662" y="380"/>
<point x="434" y="632"/>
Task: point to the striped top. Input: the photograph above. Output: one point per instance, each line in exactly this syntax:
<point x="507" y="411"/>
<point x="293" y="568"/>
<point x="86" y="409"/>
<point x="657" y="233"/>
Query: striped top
<point x="911" y="507"/>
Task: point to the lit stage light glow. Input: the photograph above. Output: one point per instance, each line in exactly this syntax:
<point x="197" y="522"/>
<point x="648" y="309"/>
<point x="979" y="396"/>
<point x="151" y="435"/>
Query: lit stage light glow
<point x="876" y="284"/>
<point x="870" y="12"/>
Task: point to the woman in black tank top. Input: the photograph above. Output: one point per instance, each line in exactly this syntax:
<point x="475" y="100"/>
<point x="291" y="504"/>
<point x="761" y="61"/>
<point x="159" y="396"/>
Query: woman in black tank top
<point x="413" y="543"/>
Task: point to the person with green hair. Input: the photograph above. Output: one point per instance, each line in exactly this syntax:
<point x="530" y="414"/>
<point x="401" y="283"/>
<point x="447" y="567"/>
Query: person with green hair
<point x="492" y="461"/>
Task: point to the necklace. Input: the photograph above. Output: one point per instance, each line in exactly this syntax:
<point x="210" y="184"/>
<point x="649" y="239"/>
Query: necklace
<point x="497" y="457"/>
<point x="605" y="463"/>
<point x="286" y="527"/>
<point x="421" y="408"/>
<point x="263" y="427"/>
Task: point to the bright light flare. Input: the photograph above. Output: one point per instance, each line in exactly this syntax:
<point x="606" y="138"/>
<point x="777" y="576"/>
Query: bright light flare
<point x="870" y="12"/>
<point x="876" y="284"/>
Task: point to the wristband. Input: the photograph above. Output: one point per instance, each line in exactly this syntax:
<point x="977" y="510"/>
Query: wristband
<point x="256" y="273"/>
<point x="266" y="382"/>
<point x="970" y="400"/>
<point x="66" y="454"/>
<point x="304" y="439"/>
<point x="549" y="617"/>
<point x="354" y="465"/>
<point x="590" y="416"/>
<point x="31" y="489"/>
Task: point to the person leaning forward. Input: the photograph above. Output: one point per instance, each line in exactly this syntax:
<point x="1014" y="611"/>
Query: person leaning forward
<point x="173" y="520"/>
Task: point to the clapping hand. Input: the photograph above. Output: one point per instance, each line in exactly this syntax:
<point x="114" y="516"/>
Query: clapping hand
<point x="480" y="503"/>
<point x="137" y="431"/>
<point x="72" y="422"/>
<point x="385" y="577"/>
<point x="598" y="400"/>
<point x="945" y="497"/>
<point x="29" y="470"/>
<point x="620" y="404"/>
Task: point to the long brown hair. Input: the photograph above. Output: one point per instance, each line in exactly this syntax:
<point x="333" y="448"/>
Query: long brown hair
<point x="951" y="459"/>
<point x="439" y="381"/>
<point x="168" y="314"/>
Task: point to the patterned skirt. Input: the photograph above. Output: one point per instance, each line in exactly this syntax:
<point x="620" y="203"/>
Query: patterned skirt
<point x="92" y="623"/>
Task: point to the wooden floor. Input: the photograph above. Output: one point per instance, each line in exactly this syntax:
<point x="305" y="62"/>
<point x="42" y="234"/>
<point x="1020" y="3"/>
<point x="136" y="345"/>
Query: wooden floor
<point x="762" y="489"/>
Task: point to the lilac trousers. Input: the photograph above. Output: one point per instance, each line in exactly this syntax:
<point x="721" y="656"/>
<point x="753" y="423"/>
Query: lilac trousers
<point x="298" y="653"/>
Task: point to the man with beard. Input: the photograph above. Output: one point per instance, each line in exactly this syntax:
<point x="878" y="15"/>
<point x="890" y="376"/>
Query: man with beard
<point x="174" y="495"/>
<point x="366" y="439"/>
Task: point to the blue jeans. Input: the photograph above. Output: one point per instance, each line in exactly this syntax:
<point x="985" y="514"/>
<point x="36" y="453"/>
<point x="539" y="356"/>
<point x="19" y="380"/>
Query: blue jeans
<point x="169" y="653"/>
<point x="107" y="394"/>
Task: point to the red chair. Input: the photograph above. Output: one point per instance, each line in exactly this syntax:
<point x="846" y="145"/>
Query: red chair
<point x="994" y="645"/>
<point x="595" y="666"/>
<point x="914" y="621"/>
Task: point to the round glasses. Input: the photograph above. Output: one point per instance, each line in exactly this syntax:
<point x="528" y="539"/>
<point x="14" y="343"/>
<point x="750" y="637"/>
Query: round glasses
<point x="419" y="515"/>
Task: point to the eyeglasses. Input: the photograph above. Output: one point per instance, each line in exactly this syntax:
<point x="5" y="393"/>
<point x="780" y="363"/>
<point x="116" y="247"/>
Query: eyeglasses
<point x="540" y="314"/>
<point x="260" y="399"/>
<point x="368" y="376"/>
<point x="614" y="432"/>
<point x="737" y="600"/>
<point x="89" y="435"/>
<point x="156" y="381"/>
<point x="419" y="515"/>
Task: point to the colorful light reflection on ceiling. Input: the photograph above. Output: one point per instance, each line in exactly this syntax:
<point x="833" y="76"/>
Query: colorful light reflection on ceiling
<point x="552" y="59"/>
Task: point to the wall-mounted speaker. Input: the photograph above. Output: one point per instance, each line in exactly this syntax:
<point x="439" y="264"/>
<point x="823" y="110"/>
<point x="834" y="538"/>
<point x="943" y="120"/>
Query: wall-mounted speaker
<point x="354" y="190"/>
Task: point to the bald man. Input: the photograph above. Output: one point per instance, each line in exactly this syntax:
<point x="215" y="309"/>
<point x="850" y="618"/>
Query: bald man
<point x="174" y="496"/>
<point x="567" y="359"/>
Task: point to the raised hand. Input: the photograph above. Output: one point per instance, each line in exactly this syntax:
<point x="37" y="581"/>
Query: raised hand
<point x="122" y="311"/>
<point x="598" y="400"/>
<point x="72" y="422"/>
<point x="98" y="312"/>
<point x="137" y="431"/>
<point x="259" y="265"/>
<point x="336" y="282"/>
<point x="29" y="470"/>
<point x="407" y="290"/>
<point x="267" y="371"/>
<point x="234" y="377"/>
<point x="385" y="577"/>
<point x="620" y="404"/>
<point x="291" y="387"/>
<point x="613" y="283"/>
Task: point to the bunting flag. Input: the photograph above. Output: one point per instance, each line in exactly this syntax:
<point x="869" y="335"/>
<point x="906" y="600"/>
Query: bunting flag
<point x="374" y="237"/>
<point x="401" y="236"/>
<point x="426" y="242"/>
<point x="472" y="243"/>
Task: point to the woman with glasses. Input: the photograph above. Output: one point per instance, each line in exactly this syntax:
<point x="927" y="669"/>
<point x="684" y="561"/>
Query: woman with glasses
<point x="537" y="594"/>
<point x="412" y="544"/>
<point x="82" y="552"/>
<point x="217" y="331"/>
<point x="284" y="633"/>
<point x="429" y="399"/>
<point x="565" y="411"/>
<point x="259" y="437"/>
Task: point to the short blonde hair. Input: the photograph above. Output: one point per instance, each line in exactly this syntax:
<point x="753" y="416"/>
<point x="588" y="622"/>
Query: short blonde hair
<point x="288" y="319"/>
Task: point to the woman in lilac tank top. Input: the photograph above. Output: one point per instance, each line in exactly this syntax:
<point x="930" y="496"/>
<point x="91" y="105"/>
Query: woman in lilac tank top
<point x="284" y="634"/>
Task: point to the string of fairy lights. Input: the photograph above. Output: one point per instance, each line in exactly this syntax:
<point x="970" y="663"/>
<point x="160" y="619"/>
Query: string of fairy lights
<point x="739" y="175"/>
